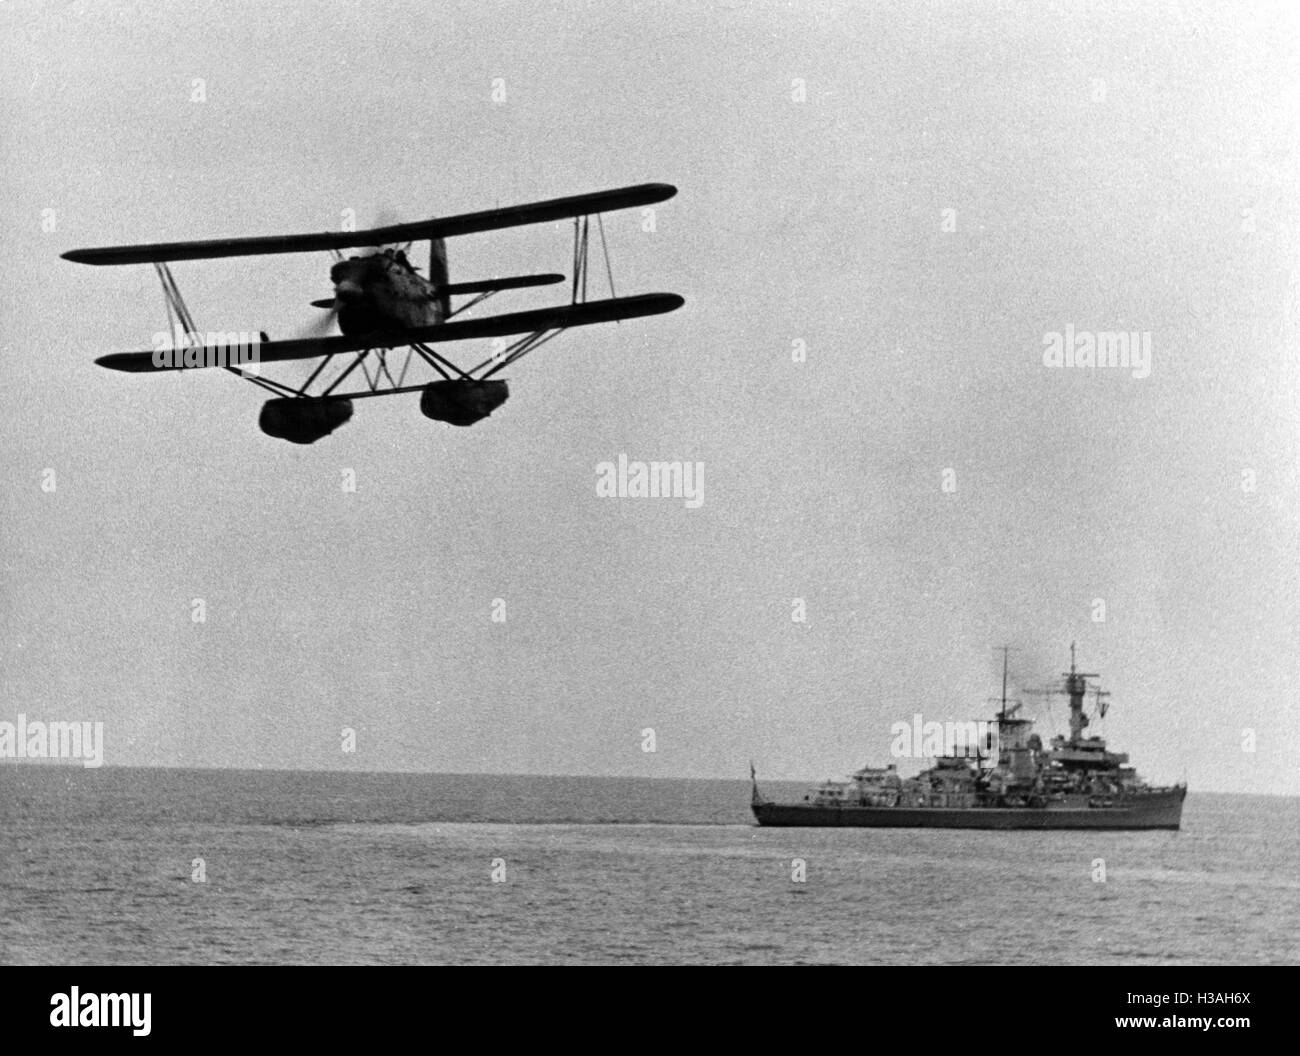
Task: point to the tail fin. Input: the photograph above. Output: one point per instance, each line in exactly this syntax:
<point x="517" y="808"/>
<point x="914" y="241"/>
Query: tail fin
<point x="438" y="274"/>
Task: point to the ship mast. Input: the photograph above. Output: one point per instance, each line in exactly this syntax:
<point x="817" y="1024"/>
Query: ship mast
<point x="1005" y="720"/>
<point x="1076" y="685"/>
<point x="1006" y="650"/>
<point x="1007" y="714"/>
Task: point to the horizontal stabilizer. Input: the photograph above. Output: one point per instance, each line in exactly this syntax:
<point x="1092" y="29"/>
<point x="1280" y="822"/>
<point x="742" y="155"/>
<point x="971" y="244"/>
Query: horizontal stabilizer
<point x="515" y="282"/>
<point x="512" y="282"/>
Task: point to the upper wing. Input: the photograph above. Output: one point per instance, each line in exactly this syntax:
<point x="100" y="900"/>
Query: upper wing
<point x="560" y="318"/>
<point x="446" y="227"/>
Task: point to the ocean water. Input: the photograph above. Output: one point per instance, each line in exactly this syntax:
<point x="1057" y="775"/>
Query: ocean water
<point x="97" y="867"/>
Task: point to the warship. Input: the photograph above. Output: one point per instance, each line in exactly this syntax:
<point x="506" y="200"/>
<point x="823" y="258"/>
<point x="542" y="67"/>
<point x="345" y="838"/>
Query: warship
<point x="1073" y="783"/>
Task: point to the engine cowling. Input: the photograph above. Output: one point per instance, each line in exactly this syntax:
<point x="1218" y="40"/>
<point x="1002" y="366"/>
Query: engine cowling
<point x="303" y="420"/>
<point x="462" y="401"/>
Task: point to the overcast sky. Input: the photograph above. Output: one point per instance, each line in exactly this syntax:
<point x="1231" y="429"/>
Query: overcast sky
<point x="1107" y="168"/>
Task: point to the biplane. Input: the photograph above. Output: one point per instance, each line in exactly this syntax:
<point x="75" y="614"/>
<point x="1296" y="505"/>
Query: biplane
<point x="382" y="304"/>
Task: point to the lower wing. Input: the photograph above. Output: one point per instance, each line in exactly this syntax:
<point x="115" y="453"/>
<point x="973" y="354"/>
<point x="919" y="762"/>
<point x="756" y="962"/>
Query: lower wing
<point x="561" y="318"/>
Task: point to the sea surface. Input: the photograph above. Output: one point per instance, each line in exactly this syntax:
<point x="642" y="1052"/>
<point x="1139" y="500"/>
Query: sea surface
<point x="100" y="867"/>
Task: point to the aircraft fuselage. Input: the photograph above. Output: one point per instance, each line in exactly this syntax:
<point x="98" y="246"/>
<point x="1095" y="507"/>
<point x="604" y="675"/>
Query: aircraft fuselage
<point x="383" y="292"/>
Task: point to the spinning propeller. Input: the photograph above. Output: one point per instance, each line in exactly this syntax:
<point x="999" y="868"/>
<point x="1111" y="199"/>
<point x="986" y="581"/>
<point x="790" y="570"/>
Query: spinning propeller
<point x="322" y="325"/>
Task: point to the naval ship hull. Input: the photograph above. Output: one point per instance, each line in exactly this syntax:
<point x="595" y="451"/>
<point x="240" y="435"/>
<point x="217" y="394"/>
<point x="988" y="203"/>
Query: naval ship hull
<point x="1153" y="810"/>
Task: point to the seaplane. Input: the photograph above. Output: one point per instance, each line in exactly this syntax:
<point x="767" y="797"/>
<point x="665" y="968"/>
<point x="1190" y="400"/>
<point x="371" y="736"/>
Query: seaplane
<point x="383" y="305"/>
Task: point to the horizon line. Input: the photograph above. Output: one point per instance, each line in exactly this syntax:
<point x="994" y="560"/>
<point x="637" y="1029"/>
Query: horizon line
<point x="67" y="764"/>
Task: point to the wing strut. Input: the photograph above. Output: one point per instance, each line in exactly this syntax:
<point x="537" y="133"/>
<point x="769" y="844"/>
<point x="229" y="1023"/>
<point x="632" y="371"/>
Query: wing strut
<point x="581" y="245"/>
<point x="174" y="302"/>
<point x="180" y="320"/>
<point x="609" y="268"/>
<point x="514" y="352"/>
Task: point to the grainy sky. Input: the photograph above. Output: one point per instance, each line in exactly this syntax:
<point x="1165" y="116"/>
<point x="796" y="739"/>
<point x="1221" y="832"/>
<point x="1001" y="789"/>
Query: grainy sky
<point x="1107" y="167"/>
